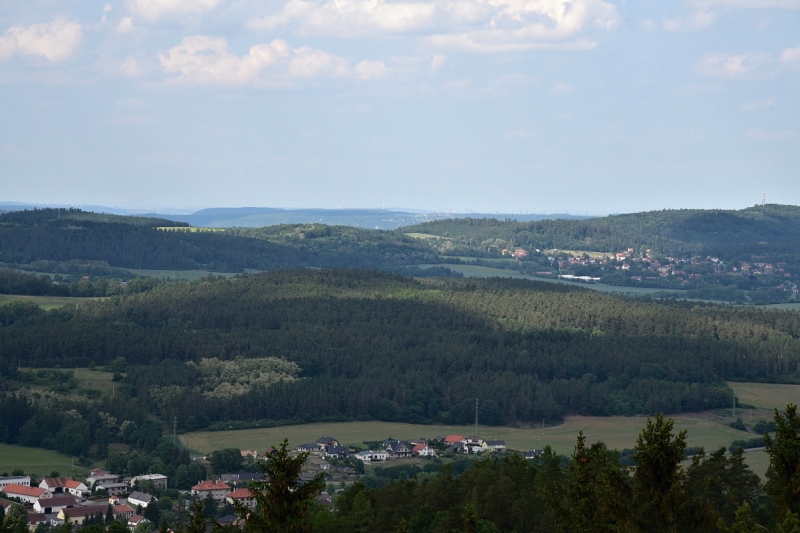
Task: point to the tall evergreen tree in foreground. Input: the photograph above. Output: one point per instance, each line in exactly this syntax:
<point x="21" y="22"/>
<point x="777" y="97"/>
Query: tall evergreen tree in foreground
<point x="282" y="500"/>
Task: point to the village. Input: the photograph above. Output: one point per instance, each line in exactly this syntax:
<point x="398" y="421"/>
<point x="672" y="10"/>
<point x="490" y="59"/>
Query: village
<point x="103" y="497"/>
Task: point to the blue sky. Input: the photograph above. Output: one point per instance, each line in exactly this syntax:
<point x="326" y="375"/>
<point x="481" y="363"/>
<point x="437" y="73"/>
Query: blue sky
<point x="587" y="106"/>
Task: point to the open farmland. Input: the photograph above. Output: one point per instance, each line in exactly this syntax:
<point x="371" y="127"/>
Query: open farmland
<point x="766" y="395"/>
<point x="617" y="432"/>
<point x="36" y="461"/>
<point x="45" y="302"/>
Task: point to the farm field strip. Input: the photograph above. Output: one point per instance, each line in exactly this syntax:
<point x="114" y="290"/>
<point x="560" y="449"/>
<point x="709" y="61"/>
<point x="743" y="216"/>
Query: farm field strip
<point x="189" y="275"/>
<point x="45" y="302"/>
<point x="766" y="395"/>
<point x="36" y="461"/>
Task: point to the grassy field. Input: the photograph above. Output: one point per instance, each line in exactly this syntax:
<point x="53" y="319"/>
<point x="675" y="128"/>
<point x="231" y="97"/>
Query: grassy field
<point x="766" y="395"/>
<point x="618" y="432"/>
<point x="45" y="302"/>
<point x="475" y="271"/>
<point x="788" y="306"/>
<point x="87" y="379"/>
<point x="189" y="275"/>
<point x="36" y="461"/>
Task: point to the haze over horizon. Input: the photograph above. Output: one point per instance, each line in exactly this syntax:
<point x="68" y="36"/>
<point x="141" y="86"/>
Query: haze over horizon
<point x="586" y="107"/>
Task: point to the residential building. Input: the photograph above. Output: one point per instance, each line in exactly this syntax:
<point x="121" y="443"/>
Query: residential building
<point x="328" y="441"/>
<point x="137" y="498"/>
<point x="370" y="456"/>
<point x="113" y="488"/>
<point x="54" y="504"/>
<point x="22" y="481"/>
<point x="135" y="520"/>
<point x="242" y="496"/>
<point x="217" y="489"/>
<point x="496" y="444"/>
<point x="398" y="448"/>
<point x="156" y="481"/>
<point x="26" y="494"/>
<point x="122" y="512"/>
<point x="310" y="447"/>
<point x="423" y="450"/>
<point x="78" y="515"/>
<point x="340" y="452"/>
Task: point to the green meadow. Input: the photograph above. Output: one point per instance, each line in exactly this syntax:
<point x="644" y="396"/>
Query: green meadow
<point x="45" y="302"/>
<point x="36" y="461"/>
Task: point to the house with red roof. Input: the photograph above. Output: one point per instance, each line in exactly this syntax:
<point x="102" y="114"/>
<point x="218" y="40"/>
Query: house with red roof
<point x="242" y="496"/>
<point x="423" y="450"/>
<point x="217" y="489"/>
<point x="26" y="494"/>
<point x="452" y="439"/>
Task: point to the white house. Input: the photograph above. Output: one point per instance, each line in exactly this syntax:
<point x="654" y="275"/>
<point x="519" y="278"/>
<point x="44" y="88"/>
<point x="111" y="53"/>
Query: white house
<point x="26" y="494"/>
<point x="157" y="481"/>
<point x="496" y="445"/>
<point x="54" y="504"/>
<point x="423" y="450"/>
<point x="22" y="481"/>
<point x="139" y="498"/>
<point x="369" y="457"/>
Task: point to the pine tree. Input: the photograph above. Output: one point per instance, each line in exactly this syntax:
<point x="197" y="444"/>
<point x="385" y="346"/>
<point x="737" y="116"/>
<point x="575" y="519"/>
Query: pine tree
<point x="282" y="500"/>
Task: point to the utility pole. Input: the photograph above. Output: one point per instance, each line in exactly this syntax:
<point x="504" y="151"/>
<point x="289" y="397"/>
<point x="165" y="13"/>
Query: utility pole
<point x="734" y="405"/>
<point x="476" y="416"/>
<point x="174" y="428"/>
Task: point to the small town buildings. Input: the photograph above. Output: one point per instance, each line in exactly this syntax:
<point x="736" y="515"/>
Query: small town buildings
<point x="370" y="456"/>
<point x="135" y="520"/>
<point x="249" y="453"/>
<point x="22" y="481"/>
<point x="122" y="512"/>
<point x="217" y="489"/>
<point x="452" y="439"/>
<point x="458" y="447"/>
<point x="156" y="481"/>
<point x="101" y="476"/>
<point x="78" y="515"/>
<point x="137" y="498"/>
<point x="495" y="445"/>
<point x="54" y="504"/>
<point x="35" y="519"/>
<point x="26" y="494"/>
<point x="242" y="496"/>
<point x="61" y="485"/>
<point x="113" y="488"/>
<point x="328" y="441"/>
<point x="340" y="452"/>
<point x="319" y="463"/>
<point x="423" y="450"/>
<point x="398" y="448"/>
<point x="310" y="447"/>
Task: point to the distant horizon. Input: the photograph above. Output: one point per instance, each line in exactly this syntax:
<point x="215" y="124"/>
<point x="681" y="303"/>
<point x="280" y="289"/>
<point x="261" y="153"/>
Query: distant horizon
<point x="189" y="210"/>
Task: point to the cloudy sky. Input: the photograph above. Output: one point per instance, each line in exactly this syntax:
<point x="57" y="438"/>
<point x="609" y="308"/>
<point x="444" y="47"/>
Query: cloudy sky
<point x="585" y="106"/>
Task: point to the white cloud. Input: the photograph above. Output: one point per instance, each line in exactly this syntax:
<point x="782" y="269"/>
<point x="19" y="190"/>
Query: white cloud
<point x="758" y="105"/>
<point x="561" y="88"/>
<point x="203" y="60"/>
<point x="54" y="40"/>
<point x="125" y="25"/>
<point x="699" y="20"/>
<point x="437" y="61"/>
<point x="732" y="66"/>
<point x="477" y="25"/>
<point x="130" y="67"/>
<point x="749" y="4"/>
<point x="157" y="9"/>
<point x="761" y="135"/>
<point x="791" y="55"/>
<point x="349" y="17"/>
<point x="370" y="70"/>
<point x="520" y="134"/>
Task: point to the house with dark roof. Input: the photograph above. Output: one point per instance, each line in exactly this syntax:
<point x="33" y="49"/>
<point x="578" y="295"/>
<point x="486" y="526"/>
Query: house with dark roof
<point x="328" y="441"/>
<point x="137" y="498"/>
<point x="458" y="447"/>
<point x="340" y="452"/>
<point x="310" y="447"/>
<point x="54" y="504"/>
<point x="496" y="445"/>
<point x="398" y="448"/>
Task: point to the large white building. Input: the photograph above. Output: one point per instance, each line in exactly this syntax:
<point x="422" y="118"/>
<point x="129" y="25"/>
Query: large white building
<point x="23" y="481"/>
<point x="370" y="456"/>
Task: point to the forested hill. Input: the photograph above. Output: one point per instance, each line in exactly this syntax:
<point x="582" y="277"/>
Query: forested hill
<point x="677" y="232"/>
<point x="378" y="345"/>
<point x="137" y="242"/>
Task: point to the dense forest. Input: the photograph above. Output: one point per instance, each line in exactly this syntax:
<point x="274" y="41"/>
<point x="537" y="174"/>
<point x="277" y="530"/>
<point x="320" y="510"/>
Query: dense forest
<point x="379" y="345"/>
<point x="51" y="235"/>
<point x="670" y="232"/>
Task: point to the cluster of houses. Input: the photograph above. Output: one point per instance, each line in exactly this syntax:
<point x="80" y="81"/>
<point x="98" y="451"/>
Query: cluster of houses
<point x="57" y="498"/>
<point x="329" y="447"/>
